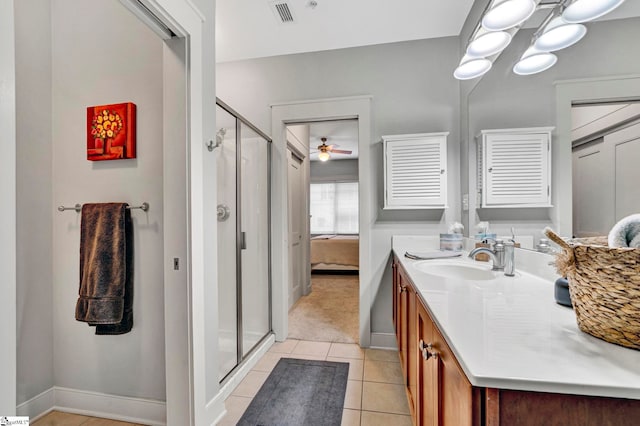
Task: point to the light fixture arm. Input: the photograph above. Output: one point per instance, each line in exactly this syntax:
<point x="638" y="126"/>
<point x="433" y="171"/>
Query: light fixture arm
<point x="557" y="7"/>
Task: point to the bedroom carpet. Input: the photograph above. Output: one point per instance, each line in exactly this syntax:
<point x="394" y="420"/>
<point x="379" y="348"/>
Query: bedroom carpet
<point x="329" y="313"/>
<point x="300" y="392"/>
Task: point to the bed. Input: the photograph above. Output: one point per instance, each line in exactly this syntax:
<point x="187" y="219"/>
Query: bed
<point x="335" y="252"/>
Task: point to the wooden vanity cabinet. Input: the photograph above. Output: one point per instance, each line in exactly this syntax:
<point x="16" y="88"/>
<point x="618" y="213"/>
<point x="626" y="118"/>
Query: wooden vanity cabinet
<point x="438" y="390"/>
<point x="441" y="395"/>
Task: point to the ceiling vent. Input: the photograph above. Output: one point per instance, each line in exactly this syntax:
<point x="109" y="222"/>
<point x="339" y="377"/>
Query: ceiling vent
<point x="282" y="11"/>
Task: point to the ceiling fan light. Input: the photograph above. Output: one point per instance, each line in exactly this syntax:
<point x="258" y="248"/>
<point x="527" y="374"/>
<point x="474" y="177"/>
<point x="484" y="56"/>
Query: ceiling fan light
<point x="559" y="34"/>
<point x="472" y="68"/>
<point x="588" y="10"/>
<point x="533" y="61"/>
<point x="488" y="44"/>
<point x="508" y="14"/>
<point x="323" y="156"/>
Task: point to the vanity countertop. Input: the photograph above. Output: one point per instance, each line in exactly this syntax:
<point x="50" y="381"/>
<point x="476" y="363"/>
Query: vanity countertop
<point x="509" y="333"/>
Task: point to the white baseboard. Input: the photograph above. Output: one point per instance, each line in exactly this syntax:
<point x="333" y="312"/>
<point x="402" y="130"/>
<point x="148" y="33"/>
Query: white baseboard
<point x="95" y="404"/>
<point x="384" y="341"/>
<point x="37" y="406"/>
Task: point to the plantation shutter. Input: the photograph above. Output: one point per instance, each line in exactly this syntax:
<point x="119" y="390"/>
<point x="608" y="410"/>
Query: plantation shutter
<point x="516" y="169"/>
<point x="415" y="171"/>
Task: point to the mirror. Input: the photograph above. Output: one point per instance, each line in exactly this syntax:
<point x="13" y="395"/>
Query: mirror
<point x="603" y="67"/>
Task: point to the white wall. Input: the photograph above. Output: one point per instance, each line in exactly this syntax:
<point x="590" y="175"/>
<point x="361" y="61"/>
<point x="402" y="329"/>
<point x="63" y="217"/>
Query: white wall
<point x="334" y="171"/>
<point x="8" y="213"/>
<point x="107" y="56"/>
<point x="413" y="92"/>
<point x="34" y="203"/>
<point x="505" y="100"/>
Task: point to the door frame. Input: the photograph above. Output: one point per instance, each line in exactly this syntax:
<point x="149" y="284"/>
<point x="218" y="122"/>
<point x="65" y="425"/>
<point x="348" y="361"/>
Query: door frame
<point x="192" y="381"/>
<point x="568" y="92"/>
<point x="283" y="114"/>
<point x="300" y="148"/>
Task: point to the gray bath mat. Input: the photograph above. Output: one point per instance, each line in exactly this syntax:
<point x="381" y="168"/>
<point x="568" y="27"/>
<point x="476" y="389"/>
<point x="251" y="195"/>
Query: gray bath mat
<point x="300" y="392"/>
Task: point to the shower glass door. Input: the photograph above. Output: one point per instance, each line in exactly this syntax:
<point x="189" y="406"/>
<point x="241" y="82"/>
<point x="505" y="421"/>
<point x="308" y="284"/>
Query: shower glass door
<point x="255" y="234"/>
<point x="244" y="285"/>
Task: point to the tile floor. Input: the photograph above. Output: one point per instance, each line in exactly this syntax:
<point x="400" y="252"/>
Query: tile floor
<point x="56" y="418"/>
<point x="375" y="391"/>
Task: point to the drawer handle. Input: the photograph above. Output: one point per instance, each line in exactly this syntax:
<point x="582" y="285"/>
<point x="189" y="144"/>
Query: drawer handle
<point x="427" y="350"/>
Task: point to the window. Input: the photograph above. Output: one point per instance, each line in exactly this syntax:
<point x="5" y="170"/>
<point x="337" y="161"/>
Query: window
<point x="334" y="208"/>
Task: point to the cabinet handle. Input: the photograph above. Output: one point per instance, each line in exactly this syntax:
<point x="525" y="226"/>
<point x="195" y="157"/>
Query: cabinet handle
<point x="402" y="288"/>
<point x="427" y="350"/>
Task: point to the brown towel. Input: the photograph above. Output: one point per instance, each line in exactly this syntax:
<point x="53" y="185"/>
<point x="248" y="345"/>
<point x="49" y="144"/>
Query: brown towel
<point x="106" y="268"/>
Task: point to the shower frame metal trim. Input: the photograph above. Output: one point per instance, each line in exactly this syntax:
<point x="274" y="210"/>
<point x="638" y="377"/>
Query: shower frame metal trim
<point x="240" y="120"/>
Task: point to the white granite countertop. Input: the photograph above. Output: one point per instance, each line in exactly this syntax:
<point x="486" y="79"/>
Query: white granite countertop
<point x="510" y="333"/>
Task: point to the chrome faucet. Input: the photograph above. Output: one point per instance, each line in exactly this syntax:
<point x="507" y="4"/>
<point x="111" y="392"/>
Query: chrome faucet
<point x="502" y="256"/>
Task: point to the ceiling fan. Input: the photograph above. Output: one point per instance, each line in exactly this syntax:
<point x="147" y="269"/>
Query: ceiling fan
<point x="324" y="150"/>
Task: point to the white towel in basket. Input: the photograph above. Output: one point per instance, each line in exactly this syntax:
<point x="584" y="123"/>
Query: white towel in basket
<point x="626" y="233"/>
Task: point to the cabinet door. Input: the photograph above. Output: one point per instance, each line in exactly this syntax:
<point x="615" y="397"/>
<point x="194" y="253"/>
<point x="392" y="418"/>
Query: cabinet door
<point x="454" y="389"/>
<point x="402" y="325"/>
<point x="415" y="171"/>
<point x="411" y="348"/>
<point x="427" y="404"/>
<point x="516" y="168"/>
<point x="395" y="291"/>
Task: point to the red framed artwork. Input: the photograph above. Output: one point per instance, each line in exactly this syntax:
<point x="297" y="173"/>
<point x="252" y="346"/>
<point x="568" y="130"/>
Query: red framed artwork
<point x="111" y="132"/>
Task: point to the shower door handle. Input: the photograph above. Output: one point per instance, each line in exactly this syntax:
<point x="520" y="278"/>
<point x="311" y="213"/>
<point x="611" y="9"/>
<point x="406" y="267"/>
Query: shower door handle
<point x="243" y="241"/>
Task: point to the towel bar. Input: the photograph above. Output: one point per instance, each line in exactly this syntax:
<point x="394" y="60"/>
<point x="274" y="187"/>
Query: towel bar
<point x="78" y="207"/>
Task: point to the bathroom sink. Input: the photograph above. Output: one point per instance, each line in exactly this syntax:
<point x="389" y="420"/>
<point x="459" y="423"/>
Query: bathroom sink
<point x="458" y="270"/>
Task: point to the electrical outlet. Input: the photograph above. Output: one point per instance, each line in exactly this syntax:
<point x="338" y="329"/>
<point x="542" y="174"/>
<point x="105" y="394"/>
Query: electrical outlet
<point x="465" y="202"/>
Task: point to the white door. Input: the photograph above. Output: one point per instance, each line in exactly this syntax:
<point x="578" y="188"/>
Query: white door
<point x="627" y="177"/>
<point x="296" y="226"/>
<point x="592" y="196"/>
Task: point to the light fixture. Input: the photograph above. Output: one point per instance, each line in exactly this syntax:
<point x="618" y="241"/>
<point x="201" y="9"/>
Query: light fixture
<point x="323" y="156"/>
<point x="507" y="14"/>
<point x="588" y="10"/>
<point x="559" y="34"/>
<point x="471" y="67"/>
<point x="502" y="19"/>
<point x="534" y="61"/>
<point x="487" y="43"/>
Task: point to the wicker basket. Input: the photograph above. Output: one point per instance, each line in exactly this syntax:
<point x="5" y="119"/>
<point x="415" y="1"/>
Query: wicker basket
<point x="604" y="283"/>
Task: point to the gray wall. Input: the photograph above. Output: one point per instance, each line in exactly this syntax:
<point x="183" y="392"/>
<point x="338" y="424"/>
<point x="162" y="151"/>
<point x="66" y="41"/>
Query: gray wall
<point x="108" y="56"/>
<point x="413" y="92"/>
<point x="34" y="203"/>
<point x="334" y="171"/>
<point x="503" y="99"/>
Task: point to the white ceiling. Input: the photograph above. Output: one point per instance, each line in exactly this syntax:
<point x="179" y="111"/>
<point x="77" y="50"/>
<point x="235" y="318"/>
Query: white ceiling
<point x="250" y="29"/>
<point x="342" y="133"/>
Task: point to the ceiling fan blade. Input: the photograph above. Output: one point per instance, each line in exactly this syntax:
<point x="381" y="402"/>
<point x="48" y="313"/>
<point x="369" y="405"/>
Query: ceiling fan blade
<point x="340" y="151"/>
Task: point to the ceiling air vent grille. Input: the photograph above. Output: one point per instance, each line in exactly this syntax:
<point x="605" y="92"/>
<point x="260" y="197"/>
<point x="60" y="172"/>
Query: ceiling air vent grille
<point x="283" y="12"/>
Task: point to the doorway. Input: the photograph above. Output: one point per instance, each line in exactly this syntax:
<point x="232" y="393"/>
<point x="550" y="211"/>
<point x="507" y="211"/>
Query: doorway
<point x="324" y="235"/>
<point x="605" y="141"/>
<point x="358" y="107"/>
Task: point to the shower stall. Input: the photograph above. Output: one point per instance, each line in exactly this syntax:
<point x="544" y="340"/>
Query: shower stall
<point x="243" y="160"/>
